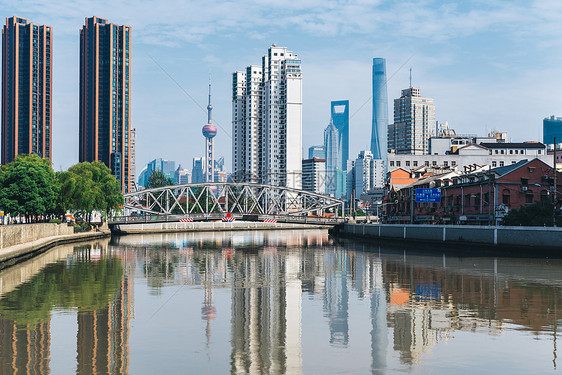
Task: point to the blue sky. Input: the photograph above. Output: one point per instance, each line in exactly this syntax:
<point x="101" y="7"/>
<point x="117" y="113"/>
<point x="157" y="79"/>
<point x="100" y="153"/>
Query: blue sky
<point x="488" y="64"/>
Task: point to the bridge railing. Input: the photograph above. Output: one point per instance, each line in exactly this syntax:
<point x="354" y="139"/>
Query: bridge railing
<point x="219" y="216"/>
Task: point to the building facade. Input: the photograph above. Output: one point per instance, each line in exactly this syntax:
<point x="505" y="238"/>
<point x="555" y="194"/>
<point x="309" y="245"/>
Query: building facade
<point x="369" y="173"/>
<point x="133" y="151"/>
<point x="380" y="109"/>
<point x="105" y="112"/>
<point x="197" y="170"/>
<point x="493" y="154"/>
<point x="26" y="89"/>
<point x="313" y="175"/>
<point x="414" y="123"/>
<point x="267" y="120"/>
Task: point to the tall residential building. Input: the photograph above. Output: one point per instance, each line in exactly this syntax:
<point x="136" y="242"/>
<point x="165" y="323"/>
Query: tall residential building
<point x="335" y="176"/>
<point x="380" y="109"/>
<point x="133" y="159"/>
<point x="267" y="120"/>
<point x="340" y="117"/>
<point x="369" y="173"/>
<point x="317" y="152"/>
<point x="26" y="89"/>
<point x="105" y="112"/>
<point x="552" y="127"/>
<point x="414" y="122"/>
<point x="314" y="175"/>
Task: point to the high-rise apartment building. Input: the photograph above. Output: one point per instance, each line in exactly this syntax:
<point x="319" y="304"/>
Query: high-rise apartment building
<point x="267" y="120"/>
<point x="414" y="122"/>
<point x="198" y="170"/>
<point x="369" y="173"/>
<point x="105" y="112"/>
<point x="133" y="151"/>
<point x="26" y="89"/>
<point x="313" y="175"/>
<point x="380" y="109"/>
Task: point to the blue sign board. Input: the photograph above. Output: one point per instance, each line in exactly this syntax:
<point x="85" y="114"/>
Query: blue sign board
<point x="428" y="195"/>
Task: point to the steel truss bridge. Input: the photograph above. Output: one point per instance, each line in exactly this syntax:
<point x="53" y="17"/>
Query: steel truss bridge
<point x="242" y="201"/>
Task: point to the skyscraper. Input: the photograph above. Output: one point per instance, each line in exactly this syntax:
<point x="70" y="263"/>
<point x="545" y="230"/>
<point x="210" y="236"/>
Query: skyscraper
<point x="267" y="120"/>
<point x="552" y="127"/>
<point x="209" y="132"/>
<point x="334" y="174"/>
<point x="133" y="159"/>
<point x="414" y="120"/>
<point x="380" y="109"/>
<point x="105" y="112"/>
<point x="340" y="117"/>
<point x="26" y="89"/>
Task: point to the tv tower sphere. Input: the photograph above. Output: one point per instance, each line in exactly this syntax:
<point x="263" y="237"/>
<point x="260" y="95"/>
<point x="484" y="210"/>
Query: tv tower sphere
<point x="209" y="131"/>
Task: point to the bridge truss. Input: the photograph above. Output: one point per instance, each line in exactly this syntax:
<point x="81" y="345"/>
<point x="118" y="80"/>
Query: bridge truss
<point x="229" y="197"/>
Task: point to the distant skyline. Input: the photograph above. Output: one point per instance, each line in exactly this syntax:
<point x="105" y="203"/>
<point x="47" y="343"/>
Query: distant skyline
<point x="488" y="65"/>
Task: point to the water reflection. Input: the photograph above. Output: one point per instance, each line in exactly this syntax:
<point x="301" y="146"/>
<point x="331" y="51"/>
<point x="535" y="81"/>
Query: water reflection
<point x="402" y="304"/>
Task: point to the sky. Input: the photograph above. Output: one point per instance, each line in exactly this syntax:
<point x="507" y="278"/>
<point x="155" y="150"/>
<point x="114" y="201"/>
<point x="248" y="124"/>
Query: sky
<point x="494" y="64"/>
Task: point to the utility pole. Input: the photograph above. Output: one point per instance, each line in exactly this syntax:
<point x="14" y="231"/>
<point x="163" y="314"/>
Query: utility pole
<point x="555" y="188"/>
<point x="490" y="195"/>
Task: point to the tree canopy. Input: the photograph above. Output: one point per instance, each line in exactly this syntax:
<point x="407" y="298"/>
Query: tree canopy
<point x="158" y="179"/>
<point x="538" y="214"/>
<point x="88" y="187"/>
<point x="30" y="187"/>
<point x="27" y="186"/>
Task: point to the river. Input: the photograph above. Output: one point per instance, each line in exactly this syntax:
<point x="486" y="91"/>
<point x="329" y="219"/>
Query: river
<point x="279" y="302"/>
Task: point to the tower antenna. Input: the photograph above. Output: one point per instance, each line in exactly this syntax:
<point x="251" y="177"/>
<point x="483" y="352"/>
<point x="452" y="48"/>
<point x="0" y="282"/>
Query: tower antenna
<point x="209" y="107"/>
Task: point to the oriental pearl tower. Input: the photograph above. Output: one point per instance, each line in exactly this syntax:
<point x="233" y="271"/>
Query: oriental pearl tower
<point x="209" y="132"/>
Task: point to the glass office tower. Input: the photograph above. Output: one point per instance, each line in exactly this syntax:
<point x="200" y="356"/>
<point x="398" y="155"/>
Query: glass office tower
<point x="380" y="109"/>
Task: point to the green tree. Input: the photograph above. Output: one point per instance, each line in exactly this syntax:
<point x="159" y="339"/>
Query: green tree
<point x="538" y="214"/>
<point x="27" y="186"/>
<point x="88" y="187"/>
<point x="158" y="179"/>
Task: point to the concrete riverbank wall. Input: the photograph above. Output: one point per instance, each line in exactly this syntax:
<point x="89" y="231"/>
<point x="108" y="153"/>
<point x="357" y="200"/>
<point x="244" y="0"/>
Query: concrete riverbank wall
<point x="537" y="237"/>
<point x="11" y="235"/>
<point x="206" y="227"/>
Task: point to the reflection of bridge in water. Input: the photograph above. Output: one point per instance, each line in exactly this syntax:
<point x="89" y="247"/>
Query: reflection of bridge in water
<point x="242" y="201"/>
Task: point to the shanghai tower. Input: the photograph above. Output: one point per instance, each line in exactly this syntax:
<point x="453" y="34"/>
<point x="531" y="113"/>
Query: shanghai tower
<point x="380" y="109"/>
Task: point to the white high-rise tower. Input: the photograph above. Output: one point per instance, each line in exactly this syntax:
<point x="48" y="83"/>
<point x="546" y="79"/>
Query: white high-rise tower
<point x="267" y="120"/>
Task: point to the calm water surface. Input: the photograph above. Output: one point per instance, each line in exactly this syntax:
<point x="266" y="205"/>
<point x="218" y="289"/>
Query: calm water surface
<point x="286" y="302"/>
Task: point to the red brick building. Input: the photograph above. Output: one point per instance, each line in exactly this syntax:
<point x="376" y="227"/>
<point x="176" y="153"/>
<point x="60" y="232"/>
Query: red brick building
<point x="482" y="197"/>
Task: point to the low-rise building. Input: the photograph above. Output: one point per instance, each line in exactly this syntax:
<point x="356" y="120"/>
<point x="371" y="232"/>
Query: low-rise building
<point x="482" y="196"/>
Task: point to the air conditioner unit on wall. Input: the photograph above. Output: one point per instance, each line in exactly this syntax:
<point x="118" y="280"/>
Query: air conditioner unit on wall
<point x="524" y="188"/>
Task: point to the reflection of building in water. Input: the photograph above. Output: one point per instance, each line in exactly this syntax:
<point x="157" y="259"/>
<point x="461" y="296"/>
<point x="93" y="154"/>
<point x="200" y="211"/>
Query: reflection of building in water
<point x="24" y="349"/>
<point x="208" y="310"/>
<point x="266" y="314"/>
<point x="378" y="318"/>
<point x="103" y="336"/>
<point x="336" y="296"/>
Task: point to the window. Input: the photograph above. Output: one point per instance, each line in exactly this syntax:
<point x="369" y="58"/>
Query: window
<point x="392" y="163"/>
<point x="446" y="163"/>
<point x="540" y="151"/>
<point x="415" y="163"/>
<point x="524" y="181"/>
<point x="427" y="163"/>
<point x="467" y="200"/>
<point x="529" y="198"/>
<point x="506" y="197"/>
<point x="397" y="163"/>
<point x="434" y="163"/>
<point x="494" y="164"/>
<point x="453" y="163"/>
<point x="407" y="163"/>
<point x="510" y="152"/>
<point x="501" y="163"/>
<point x="496" y="151"/>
